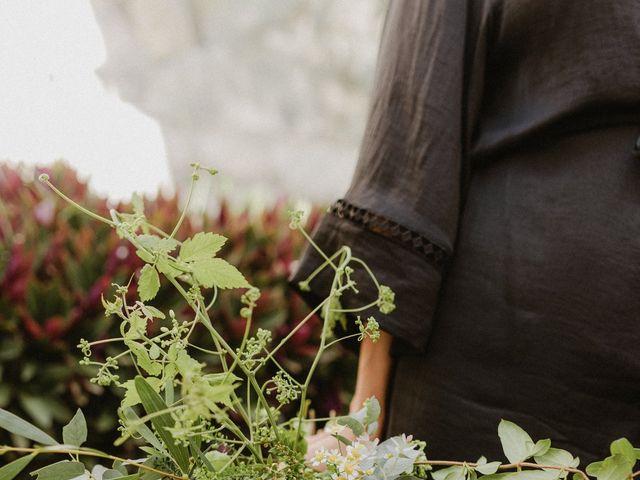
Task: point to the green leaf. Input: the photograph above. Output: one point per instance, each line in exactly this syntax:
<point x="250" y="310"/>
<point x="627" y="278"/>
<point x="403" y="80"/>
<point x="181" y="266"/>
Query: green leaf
<point x="131" y="397"/>
<point x="540" y="448"/>
<point x="623" y="447"/>
<point x="115" y="474"/>
<point x="557" y="457"/>
<point x="165" y="265"/>
<point x="217" y="459"/>
<point x="450" y="473"/>
<point x="149" y="283"/>
<point x="524" y="475"/>
<point x="516" y="443"/>
<point x="151" y="311"/>
<point x="153" y="403"/>
<point x="201" y="246"/>
<point x="75" y="432"/>
<point x="594" y="468"/>
<point x="486" y="468"/>
<point x="341" y="439"/>
<point x="218" y="272"/>
<point x="146" y="433"/>
<point x="138" y="204"/>
<point x="14" y="424"/>
<point x="145" y="256"/>
<point x="615" y="467"/>
<point x="372" y="411"/>
<point x="356" y="427"/>
<point x="64" y="470"/>
<point x="11" y="470"/>
<point x="142" y="358"/>
<point x="157" y="244"/>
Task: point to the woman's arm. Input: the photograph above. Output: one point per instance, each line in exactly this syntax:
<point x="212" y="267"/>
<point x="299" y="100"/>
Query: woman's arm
<point x="374" y="367"/>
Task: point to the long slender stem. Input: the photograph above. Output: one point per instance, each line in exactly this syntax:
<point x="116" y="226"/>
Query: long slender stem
<point x="186" y="205"/>
<point x="91" y="453"/>
<point x="93" y="215"/>
<point x="508" y="466"/>
<point x="344" y="260"/>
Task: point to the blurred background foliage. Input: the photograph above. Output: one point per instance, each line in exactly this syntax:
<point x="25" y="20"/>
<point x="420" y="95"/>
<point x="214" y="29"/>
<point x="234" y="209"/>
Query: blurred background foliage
<point x="55" y="263"/>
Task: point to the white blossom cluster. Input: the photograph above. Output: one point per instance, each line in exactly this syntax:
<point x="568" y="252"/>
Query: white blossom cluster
<point x="366" y="459"/>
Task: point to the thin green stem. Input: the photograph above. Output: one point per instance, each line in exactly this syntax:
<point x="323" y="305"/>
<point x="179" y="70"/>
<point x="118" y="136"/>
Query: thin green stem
<point x="186" y="205"/>
<point x="76" y="205"/>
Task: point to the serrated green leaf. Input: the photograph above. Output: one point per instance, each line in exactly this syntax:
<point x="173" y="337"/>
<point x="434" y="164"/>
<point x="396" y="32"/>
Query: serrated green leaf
<point x="218" y="272"/>
<point x="151" y="311"/>
<point x="153" y="404"/>
<point x="201" y="246"/>
<point x="516" y="443"/>
<point x="142" y="358"/>
<point x="145" y="256"/>
<point x="623" y="447"/>
<point x="11" y="470"/>
<point x="165" y="266"/>
<point x="148" y="284"/>
<point x="75" y="432"/>
<point x="157" y="244"/>
<point x="137" y="203"/>
<point x="65" y="470"/>
<point x="14" y="424"/>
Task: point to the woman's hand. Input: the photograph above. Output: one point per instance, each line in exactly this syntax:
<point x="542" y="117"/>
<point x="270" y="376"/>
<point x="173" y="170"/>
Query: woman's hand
<point x="374" y="367"/>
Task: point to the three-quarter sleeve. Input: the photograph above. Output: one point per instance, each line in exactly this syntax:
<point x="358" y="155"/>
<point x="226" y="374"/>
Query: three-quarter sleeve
<point x="401" y="211"/>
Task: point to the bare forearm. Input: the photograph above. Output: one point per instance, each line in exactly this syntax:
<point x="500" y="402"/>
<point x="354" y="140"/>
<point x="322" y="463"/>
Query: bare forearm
<point x="374" y="367"/>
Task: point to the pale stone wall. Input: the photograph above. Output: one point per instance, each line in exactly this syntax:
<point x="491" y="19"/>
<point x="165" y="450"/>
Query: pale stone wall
<point x="273" y="93"/>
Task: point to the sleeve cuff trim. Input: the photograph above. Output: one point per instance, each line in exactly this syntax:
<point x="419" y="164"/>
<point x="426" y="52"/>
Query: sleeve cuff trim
<point x="434" y="254"/>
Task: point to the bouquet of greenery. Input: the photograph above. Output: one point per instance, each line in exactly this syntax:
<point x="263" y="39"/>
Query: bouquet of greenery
<point x="55" y="262"/>
<point x="191" y="421"/>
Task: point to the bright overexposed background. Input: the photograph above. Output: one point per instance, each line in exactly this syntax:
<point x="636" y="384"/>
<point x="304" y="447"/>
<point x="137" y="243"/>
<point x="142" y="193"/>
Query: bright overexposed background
<point x="53" y="105"/>
<point x="273" y="93"/>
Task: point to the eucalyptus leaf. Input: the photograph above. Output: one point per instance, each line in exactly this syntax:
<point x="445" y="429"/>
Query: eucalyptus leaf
<point x="450" y="473"/>
<point x="356" y="427"/>
<point x="13" y="469"/>
<point x="75" y="432"/>
<point x="488" y="468"/>
<point x="14" y="424"/>
<point x="65" y="470"/>
<point x="557" y="457"/>
<point x="516" y="443"/>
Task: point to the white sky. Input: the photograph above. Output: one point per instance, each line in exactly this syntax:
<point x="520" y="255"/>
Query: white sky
<point x="52" y="104"/>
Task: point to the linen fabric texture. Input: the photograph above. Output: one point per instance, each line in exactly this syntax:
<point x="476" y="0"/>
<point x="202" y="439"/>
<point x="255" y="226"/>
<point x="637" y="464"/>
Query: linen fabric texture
<point x="498" y="194"/>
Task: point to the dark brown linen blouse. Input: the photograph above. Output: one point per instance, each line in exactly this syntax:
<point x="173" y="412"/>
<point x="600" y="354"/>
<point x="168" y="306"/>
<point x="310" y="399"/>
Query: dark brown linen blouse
<point x="498" y="194"/>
